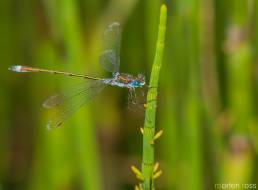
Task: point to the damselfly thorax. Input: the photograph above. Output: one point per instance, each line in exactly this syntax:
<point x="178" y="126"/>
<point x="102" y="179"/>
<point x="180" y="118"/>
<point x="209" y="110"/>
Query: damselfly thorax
<point x="126" y="80"/>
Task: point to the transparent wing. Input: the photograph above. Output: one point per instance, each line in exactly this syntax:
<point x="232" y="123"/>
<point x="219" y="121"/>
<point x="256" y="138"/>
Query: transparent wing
<point x="67" y="104"/>
<point x="110" y="57"/>
<point x="69" y="92"/>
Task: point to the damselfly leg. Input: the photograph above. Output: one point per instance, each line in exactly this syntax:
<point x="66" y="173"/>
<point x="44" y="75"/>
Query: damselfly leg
<point x="137" y="99"/>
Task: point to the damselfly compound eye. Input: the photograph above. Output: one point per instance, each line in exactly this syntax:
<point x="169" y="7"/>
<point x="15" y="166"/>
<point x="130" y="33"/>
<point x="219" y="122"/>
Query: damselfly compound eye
<point x="141" y="77"/>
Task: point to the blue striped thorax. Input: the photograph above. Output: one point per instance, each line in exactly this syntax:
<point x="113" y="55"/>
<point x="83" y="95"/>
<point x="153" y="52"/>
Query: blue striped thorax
<point x="129" y="81"/>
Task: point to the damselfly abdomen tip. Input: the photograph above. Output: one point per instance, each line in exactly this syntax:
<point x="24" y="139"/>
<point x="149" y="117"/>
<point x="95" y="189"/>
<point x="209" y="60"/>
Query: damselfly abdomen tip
<point x="23" y="69"/>
<point x="16" y="68"/>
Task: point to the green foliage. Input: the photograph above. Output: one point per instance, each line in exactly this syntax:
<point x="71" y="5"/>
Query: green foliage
<point x="207" y="95"/>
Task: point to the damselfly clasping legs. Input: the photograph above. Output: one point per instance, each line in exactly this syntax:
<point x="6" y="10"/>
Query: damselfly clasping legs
<point x="67" y="104"/>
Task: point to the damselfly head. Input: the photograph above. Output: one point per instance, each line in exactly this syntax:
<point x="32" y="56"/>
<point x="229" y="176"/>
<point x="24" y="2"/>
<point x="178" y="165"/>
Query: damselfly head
<point x="141" y="79"/>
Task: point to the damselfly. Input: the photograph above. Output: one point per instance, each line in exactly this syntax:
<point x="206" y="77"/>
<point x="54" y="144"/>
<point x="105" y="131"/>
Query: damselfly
<point x="67" y="104"/>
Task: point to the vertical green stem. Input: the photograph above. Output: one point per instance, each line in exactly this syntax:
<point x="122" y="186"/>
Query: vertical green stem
<point x="149" y="125"/>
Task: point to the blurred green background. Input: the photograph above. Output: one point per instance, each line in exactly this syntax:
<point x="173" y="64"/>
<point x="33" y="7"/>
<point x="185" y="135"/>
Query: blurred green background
<point x="207" y="102"/>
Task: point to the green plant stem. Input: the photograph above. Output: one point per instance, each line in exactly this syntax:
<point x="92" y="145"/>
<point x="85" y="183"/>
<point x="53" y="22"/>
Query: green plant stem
<point x="149" y="124"/>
